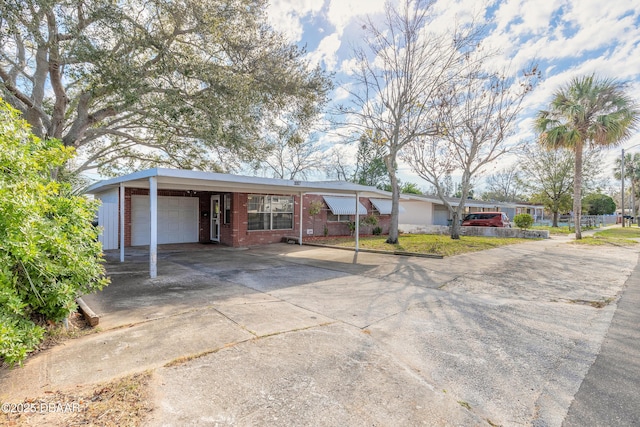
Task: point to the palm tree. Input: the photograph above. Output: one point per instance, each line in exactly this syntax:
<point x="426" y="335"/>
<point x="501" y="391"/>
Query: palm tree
<point x="632" y="172"/>
<point x="589" y="111"/>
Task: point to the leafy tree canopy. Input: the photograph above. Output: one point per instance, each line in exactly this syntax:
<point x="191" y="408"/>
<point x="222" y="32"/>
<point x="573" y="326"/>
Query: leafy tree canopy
<point x="49" y="253"/>
<point x="134" y="83"/>
<point x="598" y="204"/>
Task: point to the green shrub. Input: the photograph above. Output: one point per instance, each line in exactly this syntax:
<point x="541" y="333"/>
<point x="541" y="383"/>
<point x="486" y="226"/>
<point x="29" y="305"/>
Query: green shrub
<point x="369" y="220"/>
<point x="49" y="253"/>
<point x="377" y="231"/>
<point x="523" y="221"/>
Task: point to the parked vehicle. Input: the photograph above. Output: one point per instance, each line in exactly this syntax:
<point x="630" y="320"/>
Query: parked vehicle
<point x="487" y="219"/>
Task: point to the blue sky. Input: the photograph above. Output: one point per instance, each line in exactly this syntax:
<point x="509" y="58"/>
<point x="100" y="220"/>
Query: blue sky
<point x="568" y="38"/>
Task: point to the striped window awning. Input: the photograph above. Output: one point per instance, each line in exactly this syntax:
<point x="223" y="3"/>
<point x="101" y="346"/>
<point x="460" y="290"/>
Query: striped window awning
<point x="344" y="205"/>
<point x="384" y="206"/>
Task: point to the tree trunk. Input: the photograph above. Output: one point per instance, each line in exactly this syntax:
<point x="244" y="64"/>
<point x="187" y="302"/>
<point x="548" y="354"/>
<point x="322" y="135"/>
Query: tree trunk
<point x="395" y="200"/>
<point x="455" y="226"/>
<point x="633" y="201"/>
<point x="577" y="191"/>
<point x="555" y="219"/>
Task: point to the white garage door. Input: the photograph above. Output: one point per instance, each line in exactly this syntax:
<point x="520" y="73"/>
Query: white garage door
<point x="440" y="215"/>
<point x="177" y="220"/>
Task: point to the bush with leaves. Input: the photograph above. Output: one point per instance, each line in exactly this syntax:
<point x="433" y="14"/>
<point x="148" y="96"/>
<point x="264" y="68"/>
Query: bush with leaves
<point x="523" y="221"/>
<point x="49" y="253"/>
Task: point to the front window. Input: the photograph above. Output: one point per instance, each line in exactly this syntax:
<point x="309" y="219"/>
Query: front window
<point x="270" y="212"/>
<point x="331" y="217"/>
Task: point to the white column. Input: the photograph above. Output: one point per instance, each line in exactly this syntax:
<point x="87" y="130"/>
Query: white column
<point x="357" y="222"/>
<point x="300" y="219"/>
<point x="153" y="239"/>
<point x="122" y="207"/>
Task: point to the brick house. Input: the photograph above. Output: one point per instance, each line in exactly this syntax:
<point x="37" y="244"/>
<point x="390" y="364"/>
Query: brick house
<point x="179" y="206"/>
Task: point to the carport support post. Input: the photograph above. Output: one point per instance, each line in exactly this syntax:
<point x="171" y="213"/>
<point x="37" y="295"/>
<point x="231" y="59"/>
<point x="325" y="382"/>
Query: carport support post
<point x="300" y="220"/>
<point x="153" y="240"/>
<point x="357" y="222"/>
<point x="122" y="222"/>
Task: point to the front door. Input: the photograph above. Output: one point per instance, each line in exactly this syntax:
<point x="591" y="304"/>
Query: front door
<point x="215" y="218"/>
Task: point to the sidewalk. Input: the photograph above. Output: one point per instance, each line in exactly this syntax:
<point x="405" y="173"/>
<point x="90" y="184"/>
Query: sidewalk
<point x="610" y="393"/>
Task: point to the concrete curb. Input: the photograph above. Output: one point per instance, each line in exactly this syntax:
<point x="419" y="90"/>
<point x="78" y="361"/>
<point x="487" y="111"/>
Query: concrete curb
<point x="376" y="251"/>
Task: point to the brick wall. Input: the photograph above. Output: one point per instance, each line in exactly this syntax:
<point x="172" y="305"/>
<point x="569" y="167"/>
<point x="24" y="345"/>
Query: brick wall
<point x="235" y="233"/>
<point x="318" y="222"/>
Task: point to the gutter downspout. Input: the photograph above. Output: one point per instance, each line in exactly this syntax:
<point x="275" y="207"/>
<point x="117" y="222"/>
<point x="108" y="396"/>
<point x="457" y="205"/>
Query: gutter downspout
<point x="122" y="237"/>
<point x="300" y="219"/>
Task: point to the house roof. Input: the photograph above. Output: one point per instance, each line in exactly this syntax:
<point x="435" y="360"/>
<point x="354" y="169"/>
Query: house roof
<point x="454" y="201"/>
<point x="344" y="205"/>
<point x="178" y="179"/>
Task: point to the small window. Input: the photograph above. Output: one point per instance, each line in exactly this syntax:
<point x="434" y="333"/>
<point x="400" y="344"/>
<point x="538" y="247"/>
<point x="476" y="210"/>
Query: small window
<point x="227" y="209"/>
<point x="331" y="217"/>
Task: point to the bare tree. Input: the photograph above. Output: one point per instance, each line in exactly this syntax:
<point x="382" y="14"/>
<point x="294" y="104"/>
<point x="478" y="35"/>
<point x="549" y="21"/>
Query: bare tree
<point x="291" y="152"/>
<point x="504" y="186"/>
<point x="475" y="121"/>
<point x="337" y="168"/>
<point x="401" y="73"/>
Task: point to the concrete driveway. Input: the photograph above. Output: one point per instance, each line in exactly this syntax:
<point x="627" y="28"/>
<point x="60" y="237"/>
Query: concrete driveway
<point x="288" y="335"/>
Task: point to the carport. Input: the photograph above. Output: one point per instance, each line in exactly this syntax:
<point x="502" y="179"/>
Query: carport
<point x="184" y="192"/>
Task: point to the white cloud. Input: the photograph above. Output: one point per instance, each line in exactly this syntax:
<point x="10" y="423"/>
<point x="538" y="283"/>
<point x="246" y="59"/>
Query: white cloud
<point x="326" y="52"/>
<point x="341" y="93"/>
<point x="341" y="12"/>
<point x="286" y="15"/>
<point x="349" y="66"/>
<point x="568" y="38"/>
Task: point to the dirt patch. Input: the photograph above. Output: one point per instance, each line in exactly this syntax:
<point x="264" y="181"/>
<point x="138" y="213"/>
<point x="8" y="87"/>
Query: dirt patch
<point x="122" y="402"/>
<point x="596" y="304"/>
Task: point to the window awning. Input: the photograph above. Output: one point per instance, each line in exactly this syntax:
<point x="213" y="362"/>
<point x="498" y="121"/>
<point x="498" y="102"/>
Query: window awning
<point x="384" y="206"/>
<point x="344" y="205"/>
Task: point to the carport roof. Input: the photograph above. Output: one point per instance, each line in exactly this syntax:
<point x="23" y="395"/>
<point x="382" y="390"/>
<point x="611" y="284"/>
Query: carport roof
<point x="178" y="179"/>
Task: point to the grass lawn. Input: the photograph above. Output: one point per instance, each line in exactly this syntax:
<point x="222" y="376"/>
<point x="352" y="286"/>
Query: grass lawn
<point x="553" y="230"/>
<point x="612" y="236"/>
<point x="425" y="243"/>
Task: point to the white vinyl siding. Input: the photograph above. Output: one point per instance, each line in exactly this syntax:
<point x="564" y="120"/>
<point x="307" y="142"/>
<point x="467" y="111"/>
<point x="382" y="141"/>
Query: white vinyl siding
<point x="108" y="219"/>
<point x="177" y="220"/>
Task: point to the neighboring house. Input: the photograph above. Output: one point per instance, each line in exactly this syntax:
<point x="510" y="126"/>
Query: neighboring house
<point x="158" y="206"/>
<point x="536" y="211"/>
<point x="423" y="212"/>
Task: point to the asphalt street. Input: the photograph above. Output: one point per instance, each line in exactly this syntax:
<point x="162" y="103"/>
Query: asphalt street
<point x="610" y="393"/>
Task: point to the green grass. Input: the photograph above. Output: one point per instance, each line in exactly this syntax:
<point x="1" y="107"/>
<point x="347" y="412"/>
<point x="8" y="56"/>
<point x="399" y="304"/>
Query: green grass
<point x="624" y="233"/>
<point x="553" y="230"/>
<point x="612" y="236"/>
<point x="426" y="243"/>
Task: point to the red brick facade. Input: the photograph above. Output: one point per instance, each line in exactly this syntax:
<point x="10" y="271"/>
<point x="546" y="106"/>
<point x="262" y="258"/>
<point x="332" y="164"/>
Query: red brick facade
<point x="235" y="233"/>
<point x="318" y="222"/>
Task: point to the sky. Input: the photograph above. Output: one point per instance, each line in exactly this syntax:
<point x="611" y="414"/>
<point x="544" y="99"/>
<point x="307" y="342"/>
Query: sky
<point x="567" y="38"/>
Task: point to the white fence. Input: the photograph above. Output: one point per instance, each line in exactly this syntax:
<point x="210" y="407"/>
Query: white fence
<point x="586" y="220"/>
